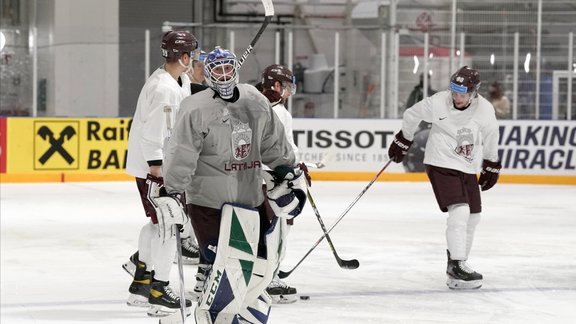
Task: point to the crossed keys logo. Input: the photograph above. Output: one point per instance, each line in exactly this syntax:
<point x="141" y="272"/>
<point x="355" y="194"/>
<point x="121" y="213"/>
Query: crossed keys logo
<point x="54" y="141"/>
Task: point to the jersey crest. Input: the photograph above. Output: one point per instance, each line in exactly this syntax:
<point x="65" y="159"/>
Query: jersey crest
<point x="465" y="144"/>
<point x="241" y="140"/>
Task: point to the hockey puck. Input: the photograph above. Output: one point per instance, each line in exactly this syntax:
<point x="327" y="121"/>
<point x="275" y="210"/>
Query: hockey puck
<point x="304" y="297"/>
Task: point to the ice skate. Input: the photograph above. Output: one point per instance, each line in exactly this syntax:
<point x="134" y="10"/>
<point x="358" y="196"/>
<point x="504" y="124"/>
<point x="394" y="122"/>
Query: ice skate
<point x="190" y="251"/>
<point x="280" y="292"/>
<point x="461" y="276"/>
<point x="201" y="276"/>
<point x="130" y="265"/>
<point x="163" y="301"/>
<point x="140" y="287"/>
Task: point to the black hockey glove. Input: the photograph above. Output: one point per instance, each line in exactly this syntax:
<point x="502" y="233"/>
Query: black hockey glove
<point x="489" y="174"/>
<point x="399" y="147"/>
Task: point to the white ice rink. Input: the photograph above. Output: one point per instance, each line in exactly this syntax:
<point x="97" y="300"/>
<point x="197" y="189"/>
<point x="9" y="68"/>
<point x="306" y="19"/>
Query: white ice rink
<point x="62" y="246"/>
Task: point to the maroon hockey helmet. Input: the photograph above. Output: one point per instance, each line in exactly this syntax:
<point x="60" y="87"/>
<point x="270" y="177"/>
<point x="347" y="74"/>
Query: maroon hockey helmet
<point x="176" y="43"/>
<point x="280" y="73"/>
<point x="465" y="80"/>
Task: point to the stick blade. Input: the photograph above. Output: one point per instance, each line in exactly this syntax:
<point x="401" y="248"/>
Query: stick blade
<point x="268" y="7"/>
<point x="349" y="264"/>
<point x="282" y="274"/>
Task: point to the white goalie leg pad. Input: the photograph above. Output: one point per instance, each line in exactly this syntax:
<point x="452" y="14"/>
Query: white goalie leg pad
<point x="232" y="271"/>
<point x="258" y="311"/>
<point x="256" y="308"/>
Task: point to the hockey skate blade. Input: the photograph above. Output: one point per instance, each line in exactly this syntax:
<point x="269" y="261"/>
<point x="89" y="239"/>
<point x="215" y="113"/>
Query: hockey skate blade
<point x="456" y="284"/>
<point x="174" y="318"/>
<point x="163" y="312"/>
<point x="137" y="301"/>
<point x="284" y="299"/>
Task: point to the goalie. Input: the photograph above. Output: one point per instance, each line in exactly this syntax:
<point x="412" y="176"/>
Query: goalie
<point x="222" y="137"/>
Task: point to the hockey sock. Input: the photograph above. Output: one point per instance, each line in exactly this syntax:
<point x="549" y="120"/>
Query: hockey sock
<point x="456" y="230"/>
<point x="472" y="223"/>
<point x="162" y="256"/>
<point x="144" y="244"/>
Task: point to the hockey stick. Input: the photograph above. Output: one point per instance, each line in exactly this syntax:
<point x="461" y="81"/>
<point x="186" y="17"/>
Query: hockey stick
<point x="315" y="165"/>
<point x="180" y="272"/>
<point x="176" y="229"/>
<point x="344" y="264"/>
<point x="320" y="164"/>
<point x="268" y="14"/>
<point x="284" y="274"/>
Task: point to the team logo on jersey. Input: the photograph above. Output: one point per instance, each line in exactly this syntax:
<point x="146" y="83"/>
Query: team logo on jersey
<point x="241" y="140"/>
<point x="465" y="144"/>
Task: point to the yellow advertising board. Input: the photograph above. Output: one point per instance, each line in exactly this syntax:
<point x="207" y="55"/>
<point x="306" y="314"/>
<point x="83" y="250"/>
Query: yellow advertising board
<point x="67" y="145"/>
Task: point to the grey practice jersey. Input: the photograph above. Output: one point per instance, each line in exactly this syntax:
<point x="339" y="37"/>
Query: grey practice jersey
<point x="218" y="148"/>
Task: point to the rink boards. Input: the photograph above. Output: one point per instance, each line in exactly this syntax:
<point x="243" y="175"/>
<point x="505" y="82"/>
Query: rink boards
<point x="94" y="149"/>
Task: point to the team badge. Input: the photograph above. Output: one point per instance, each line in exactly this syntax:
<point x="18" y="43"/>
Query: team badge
<point x="465" y="144"/>
<point x="241" y="140"/>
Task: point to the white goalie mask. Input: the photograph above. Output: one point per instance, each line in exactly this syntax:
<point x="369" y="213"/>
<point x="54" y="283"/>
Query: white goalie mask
<point x="221" y="72"/>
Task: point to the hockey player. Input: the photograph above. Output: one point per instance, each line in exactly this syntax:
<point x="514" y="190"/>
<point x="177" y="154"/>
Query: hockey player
<point x="464" y="130"/>
<point x="220" y="141"/>
<point x="167" y="86"/>
<point x="196" y="74"/>
<point x="277" y="84"/>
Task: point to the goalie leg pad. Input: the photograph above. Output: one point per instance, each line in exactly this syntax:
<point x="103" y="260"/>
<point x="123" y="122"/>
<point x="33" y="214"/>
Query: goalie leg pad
<point x="256" y="308"/>
<point x="232" y="271"/>
<point x="258" y="311"/>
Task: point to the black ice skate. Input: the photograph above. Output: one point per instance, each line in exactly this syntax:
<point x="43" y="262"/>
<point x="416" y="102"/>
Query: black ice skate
<point x="130" y="265"/>
<point x="461" y="276"/>
<point x="280" y="292"/>
<point x="190" y="251"/>
<point x="163" y="301"/>
<point x="140" y="287"/>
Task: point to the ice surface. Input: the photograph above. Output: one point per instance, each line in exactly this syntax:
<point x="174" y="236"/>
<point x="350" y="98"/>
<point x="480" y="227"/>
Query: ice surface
<point x="62" y="246"/>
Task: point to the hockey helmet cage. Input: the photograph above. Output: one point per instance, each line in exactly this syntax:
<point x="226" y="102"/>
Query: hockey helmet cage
<point x="465" y="80"/>
<point x="176" y="43"/>
<point x="279" y="73"/>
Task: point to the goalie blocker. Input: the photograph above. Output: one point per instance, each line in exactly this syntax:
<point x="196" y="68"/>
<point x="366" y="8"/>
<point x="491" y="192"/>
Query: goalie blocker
<point x="235" y="288"/>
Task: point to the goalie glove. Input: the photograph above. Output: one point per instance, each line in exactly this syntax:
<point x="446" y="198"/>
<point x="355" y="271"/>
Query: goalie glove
<point x="286" y="191"/>
<point x="170" y="212"/>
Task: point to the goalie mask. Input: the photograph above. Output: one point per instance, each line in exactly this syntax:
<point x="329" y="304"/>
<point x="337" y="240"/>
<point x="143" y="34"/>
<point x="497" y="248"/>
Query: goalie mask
<point x="279" y="73"/>
<point x="221" y="72"/>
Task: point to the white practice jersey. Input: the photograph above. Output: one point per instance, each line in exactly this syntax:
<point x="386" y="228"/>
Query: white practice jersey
<point x="286" y="120"/>
<point x="459" y="139"/>
<point x="149" y="128"/>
